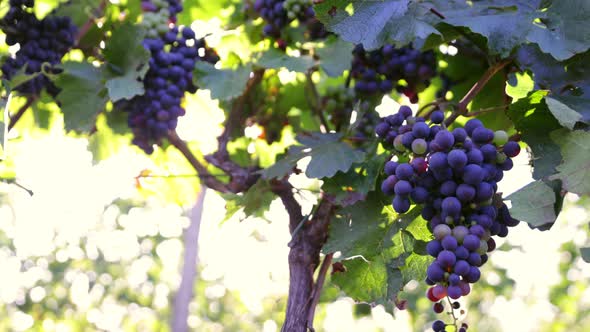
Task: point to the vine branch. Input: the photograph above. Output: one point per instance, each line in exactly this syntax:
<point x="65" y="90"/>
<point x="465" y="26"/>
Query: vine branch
<point x="317" y="290"/>
<point x="14" y="119"/>
<point x="461" y="108"/>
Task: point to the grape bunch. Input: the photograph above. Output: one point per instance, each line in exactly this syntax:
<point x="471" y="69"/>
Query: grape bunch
<point x="173" y="7"/>
<point x="170" y="75"/>
<point x="280" y="13"/>
<point x="275" y="15"/>
<point x="42" y="45"/>
<point x="379" y="71"/>
<point x="454" y="175"/>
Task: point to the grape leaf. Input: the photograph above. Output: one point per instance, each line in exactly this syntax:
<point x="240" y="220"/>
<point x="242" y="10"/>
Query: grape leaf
<point x="534" y="203"/>
<point x="566" y="31"/>
<point x="569" y="110"/>
<point x="585" y="252"/>
<point x="346" y="188"/>
<point x="328" y="156"/>
<point x="574" y="171"/>
<point x="532" y="117"/>
<point x="276" y="59"/>
<point x="255" y="202"/>
<point x="82" y="96"/>
<point x="506" y="24"/>
<point x="378" y="249"/>
<point x="566" y="116"/>
<point x="335" y="56"/>
<point x="223" y="83"/>
<point x="79" y="11"/>
<point x="125" y="52"/>
<point x="375" y="23"/>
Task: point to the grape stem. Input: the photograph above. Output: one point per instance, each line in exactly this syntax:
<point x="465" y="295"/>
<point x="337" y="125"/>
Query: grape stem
<point x="14" y="119"/>
<point x="313" y="99"/>
<point x="427" y="109"/>
<point x="452" y="312"/>
<point x="317" y="289"/>
<point x="487" y="110"/>
<point x="84" y="29"/>
<point x="461" y="108"/>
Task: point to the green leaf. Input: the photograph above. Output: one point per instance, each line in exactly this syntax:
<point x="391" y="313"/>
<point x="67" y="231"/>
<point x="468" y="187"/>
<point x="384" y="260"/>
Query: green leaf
<point x="534" y="203"/>
<point x="364" y="281"/>
<point x="223" y="83"/>
<point x="276" y="59"/>
<point x="532" y="117"/>
<point x="574" y="171"/>
<point x="328" y="156"/>
<point x="566" y="31"/>
<point x="79" y="11"/>
<point x="375" y="23"/>
<point x="585" y="252"/>
<point x="347" y="188"/>
<point x="127" y="62"/>
<point x="335" y="56"/>
<point x="82" y="95"/>
<point x="569" y="110"/>
<point x="255" y="202"/>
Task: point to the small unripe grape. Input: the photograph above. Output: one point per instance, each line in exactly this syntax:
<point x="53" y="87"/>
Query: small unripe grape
<point x="500" y="137"/>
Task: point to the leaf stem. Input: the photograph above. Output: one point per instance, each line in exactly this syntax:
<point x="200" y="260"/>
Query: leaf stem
<point x="461" y="108"/>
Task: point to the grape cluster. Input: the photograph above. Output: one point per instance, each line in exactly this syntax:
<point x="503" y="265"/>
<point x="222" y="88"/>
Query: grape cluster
<point x="380" y="71"/>
<point x="280" y="13"/>
<point x="275" y="15"/>
<point x="172" y="6"/>
<point x="454" y="174"/>
<point x="42" y="44"/>
<point x="170" y="75"/>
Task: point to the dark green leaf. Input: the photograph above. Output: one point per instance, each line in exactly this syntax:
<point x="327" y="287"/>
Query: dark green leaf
<point x="276" y="59"/>
<point x="255" y="202"/>
<point x="569" y="110"/>
<point x="79" y="11"/>
<point x="585" y="252"/>
<point x="223" y="83"/>
<point x="126" y="53"/>
<point x="375" y="23"/>
<point x="82" y="95"/>
<point x="532" y="117"/>
<point x="534" y="203"/>
<point x="335" y="56"/>
<point x="574" y="171"/>
<point x="328" y="156"/>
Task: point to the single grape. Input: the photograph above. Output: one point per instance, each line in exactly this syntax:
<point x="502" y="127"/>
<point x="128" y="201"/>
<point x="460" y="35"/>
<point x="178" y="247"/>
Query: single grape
<point x="438" y="308"/>
<point x="511" y="149"/>
<point x="437" y="117"/>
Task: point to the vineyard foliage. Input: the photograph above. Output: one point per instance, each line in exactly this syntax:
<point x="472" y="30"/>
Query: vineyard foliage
<point x="313" y="89"/>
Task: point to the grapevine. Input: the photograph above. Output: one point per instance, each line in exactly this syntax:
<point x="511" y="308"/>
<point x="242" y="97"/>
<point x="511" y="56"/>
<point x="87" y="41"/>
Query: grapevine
<point x="454" y="175"/>
<point x="42" y="43"/>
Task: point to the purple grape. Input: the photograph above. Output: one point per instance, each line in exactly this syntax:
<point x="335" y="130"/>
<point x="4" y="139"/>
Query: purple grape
<point x="443" y="141"/>
<point x="449" y="243"/>
<point x="448" y="188"/>
<point x="404" y="171"/>
<point x="459" y="134"/>
<point x="454" y="292"/>
<point x="511" y="149"/>
<point x="482" y="135"/>
<point x="403" y="188"/>
<point x="471" y="242"/>
<point x="437" y="117"/>
<point x="473" y="275"/>
<point x="433" y="248"/>
<point x="382" y="129"/>
<point x="474" y="259"/>
<point x="461" y="252"/>
<point x="451" y="205"/>
<point x="460" y="232"/>
<point x="401" y="204"/>
<point x="457" y="159"/>
<point x="438" y="160"/>
<point x="465" y="193"/>
<point x="471" y="125"/>
<point x="454" y="279"/>
<point x="461" y="268"/>
<point x="388" y="185"/>
<point x="435" y="273"/>
<point x="421" y="130"/>
<point x="447" y="258"/>
<point x="419" y="195"/>
<point x="390" y="167"/>
<point x="473" y="174"/>
<point x="438" y="326"/>
<point x="485" y="191"/>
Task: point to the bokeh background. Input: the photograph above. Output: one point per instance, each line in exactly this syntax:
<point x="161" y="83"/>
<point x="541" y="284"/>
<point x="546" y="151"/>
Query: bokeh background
<point x="99" y="245"/>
